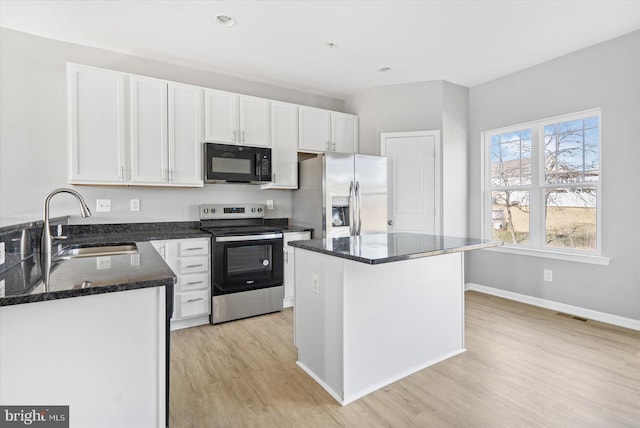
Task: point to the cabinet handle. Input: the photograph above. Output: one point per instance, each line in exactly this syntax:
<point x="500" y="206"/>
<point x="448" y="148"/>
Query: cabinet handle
<point x="286" y="257"/>
<point x="193" y="266"/>
<point x="193" y="249"/>
<point x="334" y="146"/>
<point x="243" y="136"/>
<point x="194" y="282"/>
<point x="195" y="300"/>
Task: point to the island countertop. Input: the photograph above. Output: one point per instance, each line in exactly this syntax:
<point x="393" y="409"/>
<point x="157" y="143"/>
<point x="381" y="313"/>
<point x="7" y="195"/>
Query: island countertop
<point x="392" y="247"/>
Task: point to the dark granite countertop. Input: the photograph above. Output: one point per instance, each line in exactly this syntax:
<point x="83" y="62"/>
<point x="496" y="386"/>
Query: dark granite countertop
<point x="392" y="247"/>
<point x="83" y="276"/>
<point x="92" y="275"/>
<point x="22" y="275"/>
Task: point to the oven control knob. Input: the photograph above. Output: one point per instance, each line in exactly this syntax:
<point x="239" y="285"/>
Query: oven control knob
<point x="253" y="210"/>
<point x="265" y="262"/>
<point x="206" y="210"/>
<point x="259" y="210"/>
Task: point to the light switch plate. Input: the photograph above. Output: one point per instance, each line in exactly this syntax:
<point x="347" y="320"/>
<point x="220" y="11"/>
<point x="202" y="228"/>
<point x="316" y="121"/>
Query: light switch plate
<point x="315" y="283"/>
<point x="269" y="204"/>
<point x="134" y="204"/>
<point x="103" y="205"/>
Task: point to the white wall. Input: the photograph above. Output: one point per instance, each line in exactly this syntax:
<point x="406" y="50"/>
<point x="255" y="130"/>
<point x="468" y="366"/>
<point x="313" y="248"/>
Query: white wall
<point x="435" y="105"/>
<point x="606" y="76"/>
<point x="396" y="108"/>
<point x="33" y="140"/>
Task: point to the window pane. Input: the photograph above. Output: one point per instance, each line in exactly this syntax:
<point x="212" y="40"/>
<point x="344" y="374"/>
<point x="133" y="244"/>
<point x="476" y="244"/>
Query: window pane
<point x="510" y="216"/>
<point x="570" y="220"/>
<point x="572" y="151"/>
<point x="511" y="158"/>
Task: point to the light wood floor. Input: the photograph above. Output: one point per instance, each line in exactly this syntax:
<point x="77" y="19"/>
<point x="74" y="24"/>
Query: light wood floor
<point x="524" y="367"/>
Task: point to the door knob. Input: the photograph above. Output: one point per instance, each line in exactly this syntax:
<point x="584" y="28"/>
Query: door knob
<point x="389" y="222"/>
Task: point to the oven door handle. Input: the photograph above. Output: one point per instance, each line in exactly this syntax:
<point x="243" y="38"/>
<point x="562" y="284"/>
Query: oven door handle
<point x="249" y="237"/>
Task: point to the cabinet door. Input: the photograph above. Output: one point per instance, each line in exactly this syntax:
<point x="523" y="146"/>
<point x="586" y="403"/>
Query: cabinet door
<point x="289" y="265"/>
<point x="97" y="111"/>
<point x="255" y="121"/>
<point x="284" y="146"/>
<point x="185" y="134"/>
<point x="315" y="130"/>
<point x="221" y="117"/>
<point x="344" y="133"/>
<point x="149" y="164"/>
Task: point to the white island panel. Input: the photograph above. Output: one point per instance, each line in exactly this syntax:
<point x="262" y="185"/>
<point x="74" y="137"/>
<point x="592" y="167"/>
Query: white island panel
<point x="400" y="318"/>
<point x="370" y="325"/>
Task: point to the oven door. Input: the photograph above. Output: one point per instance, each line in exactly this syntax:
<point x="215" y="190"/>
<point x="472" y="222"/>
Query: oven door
<point x="243" y="263"/>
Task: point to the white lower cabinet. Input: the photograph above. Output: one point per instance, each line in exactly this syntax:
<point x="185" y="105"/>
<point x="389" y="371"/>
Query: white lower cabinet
<point x="189" y="260"/>
<point x="289" y="265"/>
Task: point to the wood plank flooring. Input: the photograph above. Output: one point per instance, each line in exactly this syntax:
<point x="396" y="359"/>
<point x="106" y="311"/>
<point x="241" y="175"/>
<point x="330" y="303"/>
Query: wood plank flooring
<point x="524" y="367"/>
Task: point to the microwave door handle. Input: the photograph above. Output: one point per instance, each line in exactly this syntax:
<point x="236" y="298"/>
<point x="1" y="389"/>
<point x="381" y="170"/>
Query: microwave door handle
<point x="258" y="166"/>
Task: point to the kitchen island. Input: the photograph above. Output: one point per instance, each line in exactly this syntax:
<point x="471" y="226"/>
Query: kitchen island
<point x="372" y="309"/>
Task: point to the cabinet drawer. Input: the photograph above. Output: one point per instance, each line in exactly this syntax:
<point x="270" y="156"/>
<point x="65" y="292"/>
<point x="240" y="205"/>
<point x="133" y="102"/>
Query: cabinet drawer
<point x="194" y="304"/>
<point x="193" y="265"/>
<point x="193" y="282"/>
<point x="193" y="247"/>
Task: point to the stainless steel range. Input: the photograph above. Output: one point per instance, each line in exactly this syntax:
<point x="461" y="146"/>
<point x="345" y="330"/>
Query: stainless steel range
<point x="247" y="268"/>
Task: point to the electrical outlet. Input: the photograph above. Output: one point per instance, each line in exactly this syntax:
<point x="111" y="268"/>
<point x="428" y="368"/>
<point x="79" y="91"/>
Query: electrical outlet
<point x="103" y="205"/>
<point x="315" y="283"/>
<point x="1" y="253"/>
<point x="269" y="204"/>
<point x="103" y="262"/>
<point x="548" y="275"/>
<point x="134" y="204"/>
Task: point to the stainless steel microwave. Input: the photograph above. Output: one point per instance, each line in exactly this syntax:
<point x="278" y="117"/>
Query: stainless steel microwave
<point x="227" y="163"/>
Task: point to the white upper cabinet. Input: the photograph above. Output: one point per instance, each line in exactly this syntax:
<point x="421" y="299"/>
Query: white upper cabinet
<point x="166" y="133"/>
<point x="327" y="131"/>
<point x="133" y="130"/>
<point x="186" y="133"/>
<point x="284" y="146"/>
<point x="344" y="133"/>
<point x="97" y="118"/>
<point x="149" y="132"/>
<point x="126" y="129"/>
<point x="237" y="119"/>
<point x="221" y="116"/>
<point x="255" y="121"/>
<point x="315" y="130"/>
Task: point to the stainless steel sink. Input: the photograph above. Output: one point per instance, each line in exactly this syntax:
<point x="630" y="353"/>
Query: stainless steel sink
<point x="97" y="250"/>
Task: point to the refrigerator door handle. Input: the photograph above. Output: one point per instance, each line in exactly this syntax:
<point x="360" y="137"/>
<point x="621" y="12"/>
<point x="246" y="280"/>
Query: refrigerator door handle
<point x="352" y="208"/>
<point x="359" y="204"/>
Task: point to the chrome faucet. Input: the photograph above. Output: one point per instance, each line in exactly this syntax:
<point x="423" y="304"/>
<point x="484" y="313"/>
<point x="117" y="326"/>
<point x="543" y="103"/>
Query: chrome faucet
<point x="45" y="242"/>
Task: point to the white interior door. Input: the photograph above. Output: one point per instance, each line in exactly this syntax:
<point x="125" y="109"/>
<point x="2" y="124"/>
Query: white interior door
<point x="414" y="181"/>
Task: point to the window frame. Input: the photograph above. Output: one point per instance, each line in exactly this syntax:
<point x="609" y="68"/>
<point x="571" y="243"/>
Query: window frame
<point x="536" y="245"/>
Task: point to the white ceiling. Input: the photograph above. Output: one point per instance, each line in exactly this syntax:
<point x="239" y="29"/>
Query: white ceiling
<point x="286" y="42"/>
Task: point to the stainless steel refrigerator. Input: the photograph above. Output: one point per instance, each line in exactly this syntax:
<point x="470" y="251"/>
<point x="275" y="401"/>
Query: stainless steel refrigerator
<point x="342" y="194"/>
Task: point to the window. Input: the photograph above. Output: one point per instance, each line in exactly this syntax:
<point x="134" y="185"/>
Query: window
<point x="542" y="184"/>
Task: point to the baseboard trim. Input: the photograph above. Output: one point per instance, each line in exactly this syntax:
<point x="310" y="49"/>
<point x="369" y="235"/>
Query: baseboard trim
<point x="556" y="306"/>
